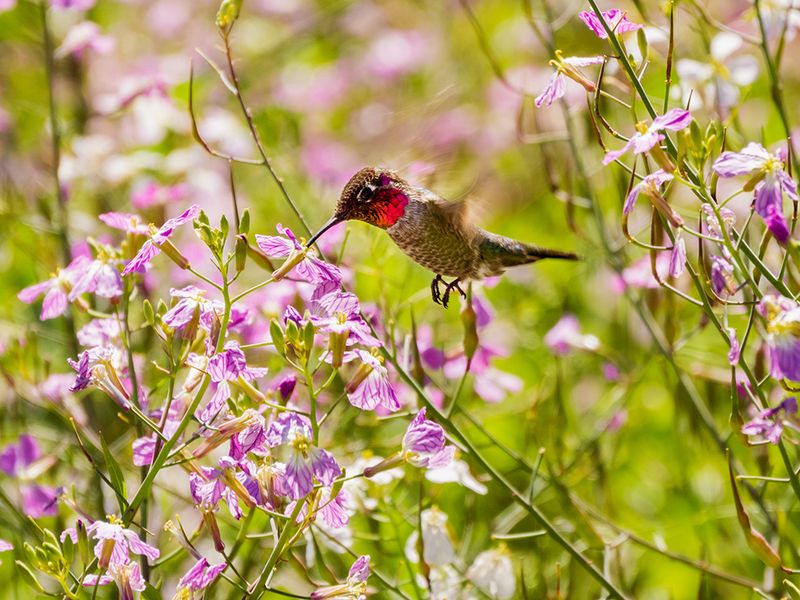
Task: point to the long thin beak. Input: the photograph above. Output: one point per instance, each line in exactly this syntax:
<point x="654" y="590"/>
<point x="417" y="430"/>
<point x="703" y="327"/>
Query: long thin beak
<point x="334" y="220"/>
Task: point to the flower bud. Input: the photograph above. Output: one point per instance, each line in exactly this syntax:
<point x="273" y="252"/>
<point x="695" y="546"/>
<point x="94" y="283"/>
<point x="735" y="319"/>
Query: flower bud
<point x="173" y="253"/>
<point x="213" y="528"/>
<point x="240" y="252"/>
<point x="227" y="14"/>
<point x="387" y="463"/>
<point x="470" y="321"/>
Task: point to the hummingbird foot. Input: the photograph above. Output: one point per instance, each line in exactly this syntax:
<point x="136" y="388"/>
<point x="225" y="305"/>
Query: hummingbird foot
<point x="449" y="288"/>
<point x="435" y="293"/>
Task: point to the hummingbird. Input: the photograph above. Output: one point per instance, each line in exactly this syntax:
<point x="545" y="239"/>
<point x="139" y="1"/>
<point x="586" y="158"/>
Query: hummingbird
<point x="434" y="232"/>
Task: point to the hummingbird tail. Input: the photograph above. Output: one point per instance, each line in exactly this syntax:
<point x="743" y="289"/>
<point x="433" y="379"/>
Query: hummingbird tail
<point x="502" y="252"/>
<point x="534" y="253"/>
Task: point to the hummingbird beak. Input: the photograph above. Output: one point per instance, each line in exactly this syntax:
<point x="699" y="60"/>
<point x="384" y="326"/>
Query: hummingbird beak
<point x="334" y="220"/>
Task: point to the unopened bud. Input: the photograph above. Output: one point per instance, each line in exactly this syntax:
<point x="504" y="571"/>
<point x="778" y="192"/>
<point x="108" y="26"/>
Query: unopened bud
<point x="387" y="463"/>
<point x="170" y="250"/>
<point x="240" y="252"/>
<point x="470" y="321"/>
<point x="211" y="523"/>
<point x="244" y="222"/>
<point x="227" y="14"/>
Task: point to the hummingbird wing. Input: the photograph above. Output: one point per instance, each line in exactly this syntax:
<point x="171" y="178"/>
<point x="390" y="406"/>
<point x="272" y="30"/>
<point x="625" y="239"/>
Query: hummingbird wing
<point x="457" y="213"/>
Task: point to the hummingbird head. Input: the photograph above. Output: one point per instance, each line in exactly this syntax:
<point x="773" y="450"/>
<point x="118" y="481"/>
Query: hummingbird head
<point x="375" y="196"/>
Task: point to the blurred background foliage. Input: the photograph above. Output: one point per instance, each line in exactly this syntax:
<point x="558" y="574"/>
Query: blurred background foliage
<point x="336" y="85"/>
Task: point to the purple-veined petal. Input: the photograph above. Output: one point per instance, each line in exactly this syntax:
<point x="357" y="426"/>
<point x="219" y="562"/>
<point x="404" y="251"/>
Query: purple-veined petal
<point x="54" y="304"/>
<point x="32" y="292"/>
<point x="613" y="155"/>
<point x="735" y="349"/>
<point x="325" y="466"/>
<point x="555" y="89"/>
<point x="674" y="120"/>
<point x="299" y="476"/>
<point x="274" y="246"/>
<point x="146" y="253"/>
<point x="788" y="184"/>
<point x="643" y="142"/>
<point x="752" y="158"/>
<point x="677" y="258"/>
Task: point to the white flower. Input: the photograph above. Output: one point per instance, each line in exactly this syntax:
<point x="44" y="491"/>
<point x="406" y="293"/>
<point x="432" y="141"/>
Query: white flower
<point x="437" y="544"/>
<point x="493" y="573"/>
<point x="717" y="82"/>
<point x="456" y="472"/>
<point x="445" y="584"/>
<point x="436" y="541"/>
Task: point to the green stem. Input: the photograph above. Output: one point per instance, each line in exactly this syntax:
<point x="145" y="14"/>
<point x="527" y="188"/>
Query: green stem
<point x="517" y="496"/>
<point x="158" y="462"/>
<point x="280" y="546"/>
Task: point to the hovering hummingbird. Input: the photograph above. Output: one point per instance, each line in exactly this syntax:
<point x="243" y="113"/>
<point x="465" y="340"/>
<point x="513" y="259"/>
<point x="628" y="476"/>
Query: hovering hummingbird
<point x="436" y="233"/>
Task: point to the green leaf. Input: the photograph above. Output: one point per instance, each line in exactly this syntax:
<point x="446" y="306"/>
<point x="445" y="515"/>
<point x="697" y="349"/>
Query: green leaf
<point x="276" y="333"/>
<point x="757" y="542"/>
<point x="28" y="577"/>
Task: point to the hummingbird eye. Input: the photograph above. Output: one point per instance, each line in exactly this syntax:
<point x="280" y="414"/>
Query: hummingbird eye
<point x="366" y="193"/>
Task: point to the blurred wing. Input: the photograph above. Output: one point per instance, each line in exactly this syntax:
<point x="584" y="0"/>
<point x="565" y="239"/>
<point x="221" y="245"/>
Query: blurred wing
<point x="457" y="213"/>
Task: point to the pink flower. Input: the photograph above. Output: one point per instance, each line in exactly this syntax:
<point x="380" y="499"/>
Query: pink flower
<point x="424" y="446"/>
<point x="99" y="332"/>
<point x="354" y="589"/>
<point x="198" y="578"/>
<point x="649" y="185"/>
<point x="339" y="315"/>
<point x="424" y="443"/>
<point x="152" y="246"/>
<point x="565" y="336"/>
<point x="640" y="273"/>
<point x="566" y="67"/>
<point x="115" y="543"/>
<point x="227" y="482"/>
<point x="127" y="222"/>
<point x="151" y="194"/>
<point x="677" y="258"/>
<point x="648" y="137"/>
<point x="722" y="281"/>
<point x="75" y="4"/>
<point x="616" y="20"/>
<point x="783" y="322"/>
<point x="769" y="181"/>
<point x="394" y="53"/>
<point x="100" y="277"/>
<point x="370" y="386"/>
<point x="56" y="289"/>
<point x="144" y="447"/>
<point x="83" y="37"/>
<point x="24" y="462"/>
<point x="305" y="266"/>
<point x="127" y="576"/>
<point x="304" y="462"/>
<point x="768" y="424"/>
<point x="102" y="367"/>
<point x="226" y="366"/>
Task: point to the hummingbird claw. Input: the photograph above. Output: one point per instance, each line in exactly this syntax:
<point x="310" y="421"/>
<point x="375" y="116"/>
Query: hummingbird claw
<point x="435" y="293"/>
<point x="449" y="287"/>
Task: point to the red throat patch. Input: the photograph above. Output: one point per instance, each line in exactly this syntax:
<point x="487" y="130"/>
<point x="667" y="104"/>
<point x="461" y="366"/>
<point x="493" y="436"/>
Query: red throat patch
<point x="389" y="205"/>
